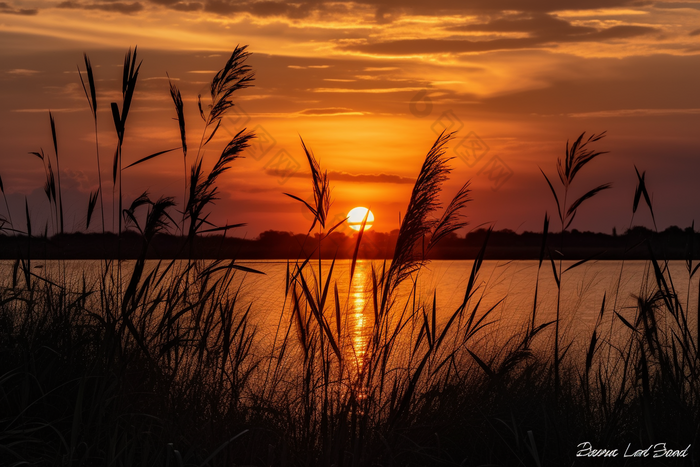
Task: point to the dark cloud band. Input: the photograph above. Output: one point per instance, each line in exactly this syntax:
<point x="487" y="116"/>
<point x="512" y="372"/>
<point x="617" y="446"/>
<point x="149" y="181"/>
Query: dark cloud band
<point x="8" y="9"/>
<point x="117" y="7"/>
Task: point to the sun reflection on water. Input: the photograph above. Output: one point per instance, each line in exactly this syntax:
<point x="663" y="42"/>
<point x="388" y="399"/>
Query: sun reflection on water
<point x="360" y="316"/>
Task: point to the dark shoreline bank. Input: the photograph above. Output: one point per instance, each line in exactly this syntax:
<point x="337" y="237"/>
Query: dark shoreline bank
<point x="637" y="243"/>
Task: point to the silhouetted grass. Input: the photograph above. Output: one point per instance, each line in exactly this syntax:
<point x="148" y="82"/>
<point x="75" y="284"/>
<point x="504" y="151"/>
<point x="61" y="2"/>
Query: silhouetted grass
<point x="160" y="363"/>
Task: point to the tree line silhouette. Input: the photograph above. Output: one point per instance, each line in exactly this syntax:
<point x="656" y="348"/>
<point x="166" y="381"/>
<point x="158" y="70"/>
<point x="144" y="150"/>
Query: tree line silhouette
<point x="635" y="243"/>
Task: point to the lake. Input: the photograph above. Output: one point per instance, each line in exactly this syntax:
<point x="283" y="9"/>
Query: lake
<point x="508" y="286"/>
<point x="510" y="282"/>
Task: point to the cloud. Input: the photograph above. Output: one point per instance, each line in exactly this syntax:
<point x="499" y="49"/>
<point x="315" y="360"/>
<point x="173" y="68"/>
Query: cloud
<point x="536" y="24"/>
<point x="118" y="7"/>
<point x="433" y="46"/>
<point x="635" y="113"/>
<point x="381" y="68"/>
<point x="330" y="111"/>
<point x="370" y="178"/>
<point x="184" y="6"/>
<point x="475" y="6"/>
<point x="22" y="72"/>
<point x="11" y="10"/>
<point x="543" y="31"/>
<point x="179" y="6"/>
<point x="387" y="11"/>
<point x="368" y="91"/>
<point x="300" y="67"/>
<point x="695" y="33"/>
<point x="676" y="5"/>
<point x="159" y="78"/>
<point x="337" y="176"/>
<point x="45" y="110"/>
<point x="262" y="8"/>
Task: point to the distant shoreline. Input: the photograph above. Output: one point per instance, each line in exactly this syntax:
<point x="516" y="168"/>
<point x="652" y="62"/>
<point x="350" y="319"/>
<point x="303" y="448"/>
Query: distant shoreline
<point x="636" y="243"/>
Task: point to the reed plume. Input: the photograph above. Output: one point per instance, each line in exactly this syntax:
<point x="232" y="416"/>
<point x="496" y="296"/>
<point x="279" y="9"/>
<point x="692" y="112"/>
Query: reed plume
<point x="417" y="223"/>
<point x="576" y="157"/>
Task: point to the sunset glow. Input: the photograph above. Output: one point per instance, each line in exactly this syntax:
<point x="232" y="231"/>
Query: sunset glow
<point x="368" y="86"/>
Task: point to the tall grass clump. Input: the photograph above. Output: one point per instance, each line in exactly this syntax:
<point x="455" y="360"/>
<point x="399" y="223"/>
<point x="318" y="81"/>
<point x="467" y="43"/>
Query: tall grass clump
<point x="390" y="397"/>
<point x="127" y="364"/>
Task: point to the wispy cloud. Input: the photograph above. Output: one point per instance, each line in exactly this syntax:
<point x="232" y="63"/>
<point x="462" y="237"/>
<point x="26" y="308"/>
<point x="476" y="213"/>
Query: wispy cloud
<point x="370" y="178"/>
<point x="330" y="111"/>
<point x="8" y="9"/>
<point x="369" y="90"/>
<point x="23" y="72"/>
<point x="300" y="67"/>
<point x="635" y="113"/>
<point x="117" y="7"/>
<point x="63" y="110"/>
<point x="541" y="31"/>
<point x="338" y="176"/>
<point x="385" y="11"/>
<point x="677" y="5"/>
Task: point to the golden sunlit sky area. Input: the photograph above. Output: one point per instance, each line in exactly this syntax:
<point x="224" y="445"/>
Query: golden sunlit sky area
<point x="368" y="85"/>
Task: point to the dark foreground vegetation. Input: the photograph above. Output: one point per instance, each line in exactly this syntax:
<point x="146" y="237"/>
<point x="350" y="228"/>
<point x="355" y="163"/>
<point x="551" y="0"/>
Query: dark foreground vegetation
<point x="142" y="366"/>
<point x="635" y="243"/>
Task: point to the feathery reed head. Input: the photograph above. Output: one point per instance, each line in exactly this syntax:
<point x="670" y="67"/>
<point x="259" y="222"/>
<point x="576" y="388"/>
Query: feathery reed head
<point x="179" y="109"/>
<point x="321" y="189"/>
<point x="577" y="156"/>
<point x="233" y="76"/>
<point x="416" y="222"/>
<point x="203" y="190"/>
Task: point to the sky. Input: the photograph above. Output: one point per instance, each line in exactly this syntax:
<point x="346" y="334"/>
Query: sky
<point x="368" y="85"/>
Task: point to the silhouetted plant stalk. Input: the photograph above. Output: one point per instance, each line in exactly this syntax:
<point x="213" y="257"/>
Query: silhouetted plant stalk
<point x="235" y="75"/>
<point x="203" y="190"/>
<point x="49" y="188"/>
<point x="577" y="156"/>
<point x="4" y="221"/>
<point x="417" y="223"/>
<point x="180" y="115"/>
<point x="91" y="97"/>
<point x="129" y="78"/>
<point x="58" y="171"/>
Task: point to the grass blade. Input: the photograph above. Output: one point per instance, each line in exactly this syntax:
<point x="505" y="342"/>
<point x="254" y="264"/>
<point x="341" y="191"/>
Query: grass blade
<point x="357" y="248"/>
<point x="92" y="202"/>
<point x="554" y="193"/>
<point x="58" y="171"/>
<point x="147" y="158"/>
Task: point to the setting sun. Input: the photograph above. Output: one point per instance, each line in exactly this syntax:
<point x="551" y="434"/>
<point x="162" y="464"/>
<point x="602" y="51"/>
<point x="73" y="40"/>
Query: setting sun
<point x="357" y="215"/>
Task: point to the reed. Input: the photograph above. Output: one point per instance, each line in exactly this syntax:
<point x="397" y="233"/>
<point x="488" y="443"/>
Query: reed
<point x="577" y="156"/>
<point x="91" y="97"/>
<point x="3" y="220"/>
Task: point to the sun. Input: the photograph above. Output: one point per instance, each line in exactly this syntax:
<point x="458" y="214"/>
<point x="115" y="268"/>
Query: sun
<point x="357" y="215"/>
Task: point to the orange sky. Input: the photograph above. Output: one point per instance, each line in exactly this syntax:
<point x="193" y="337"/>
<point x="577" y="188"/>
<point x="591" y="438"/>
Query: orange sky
<point x="352" y="79"/>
